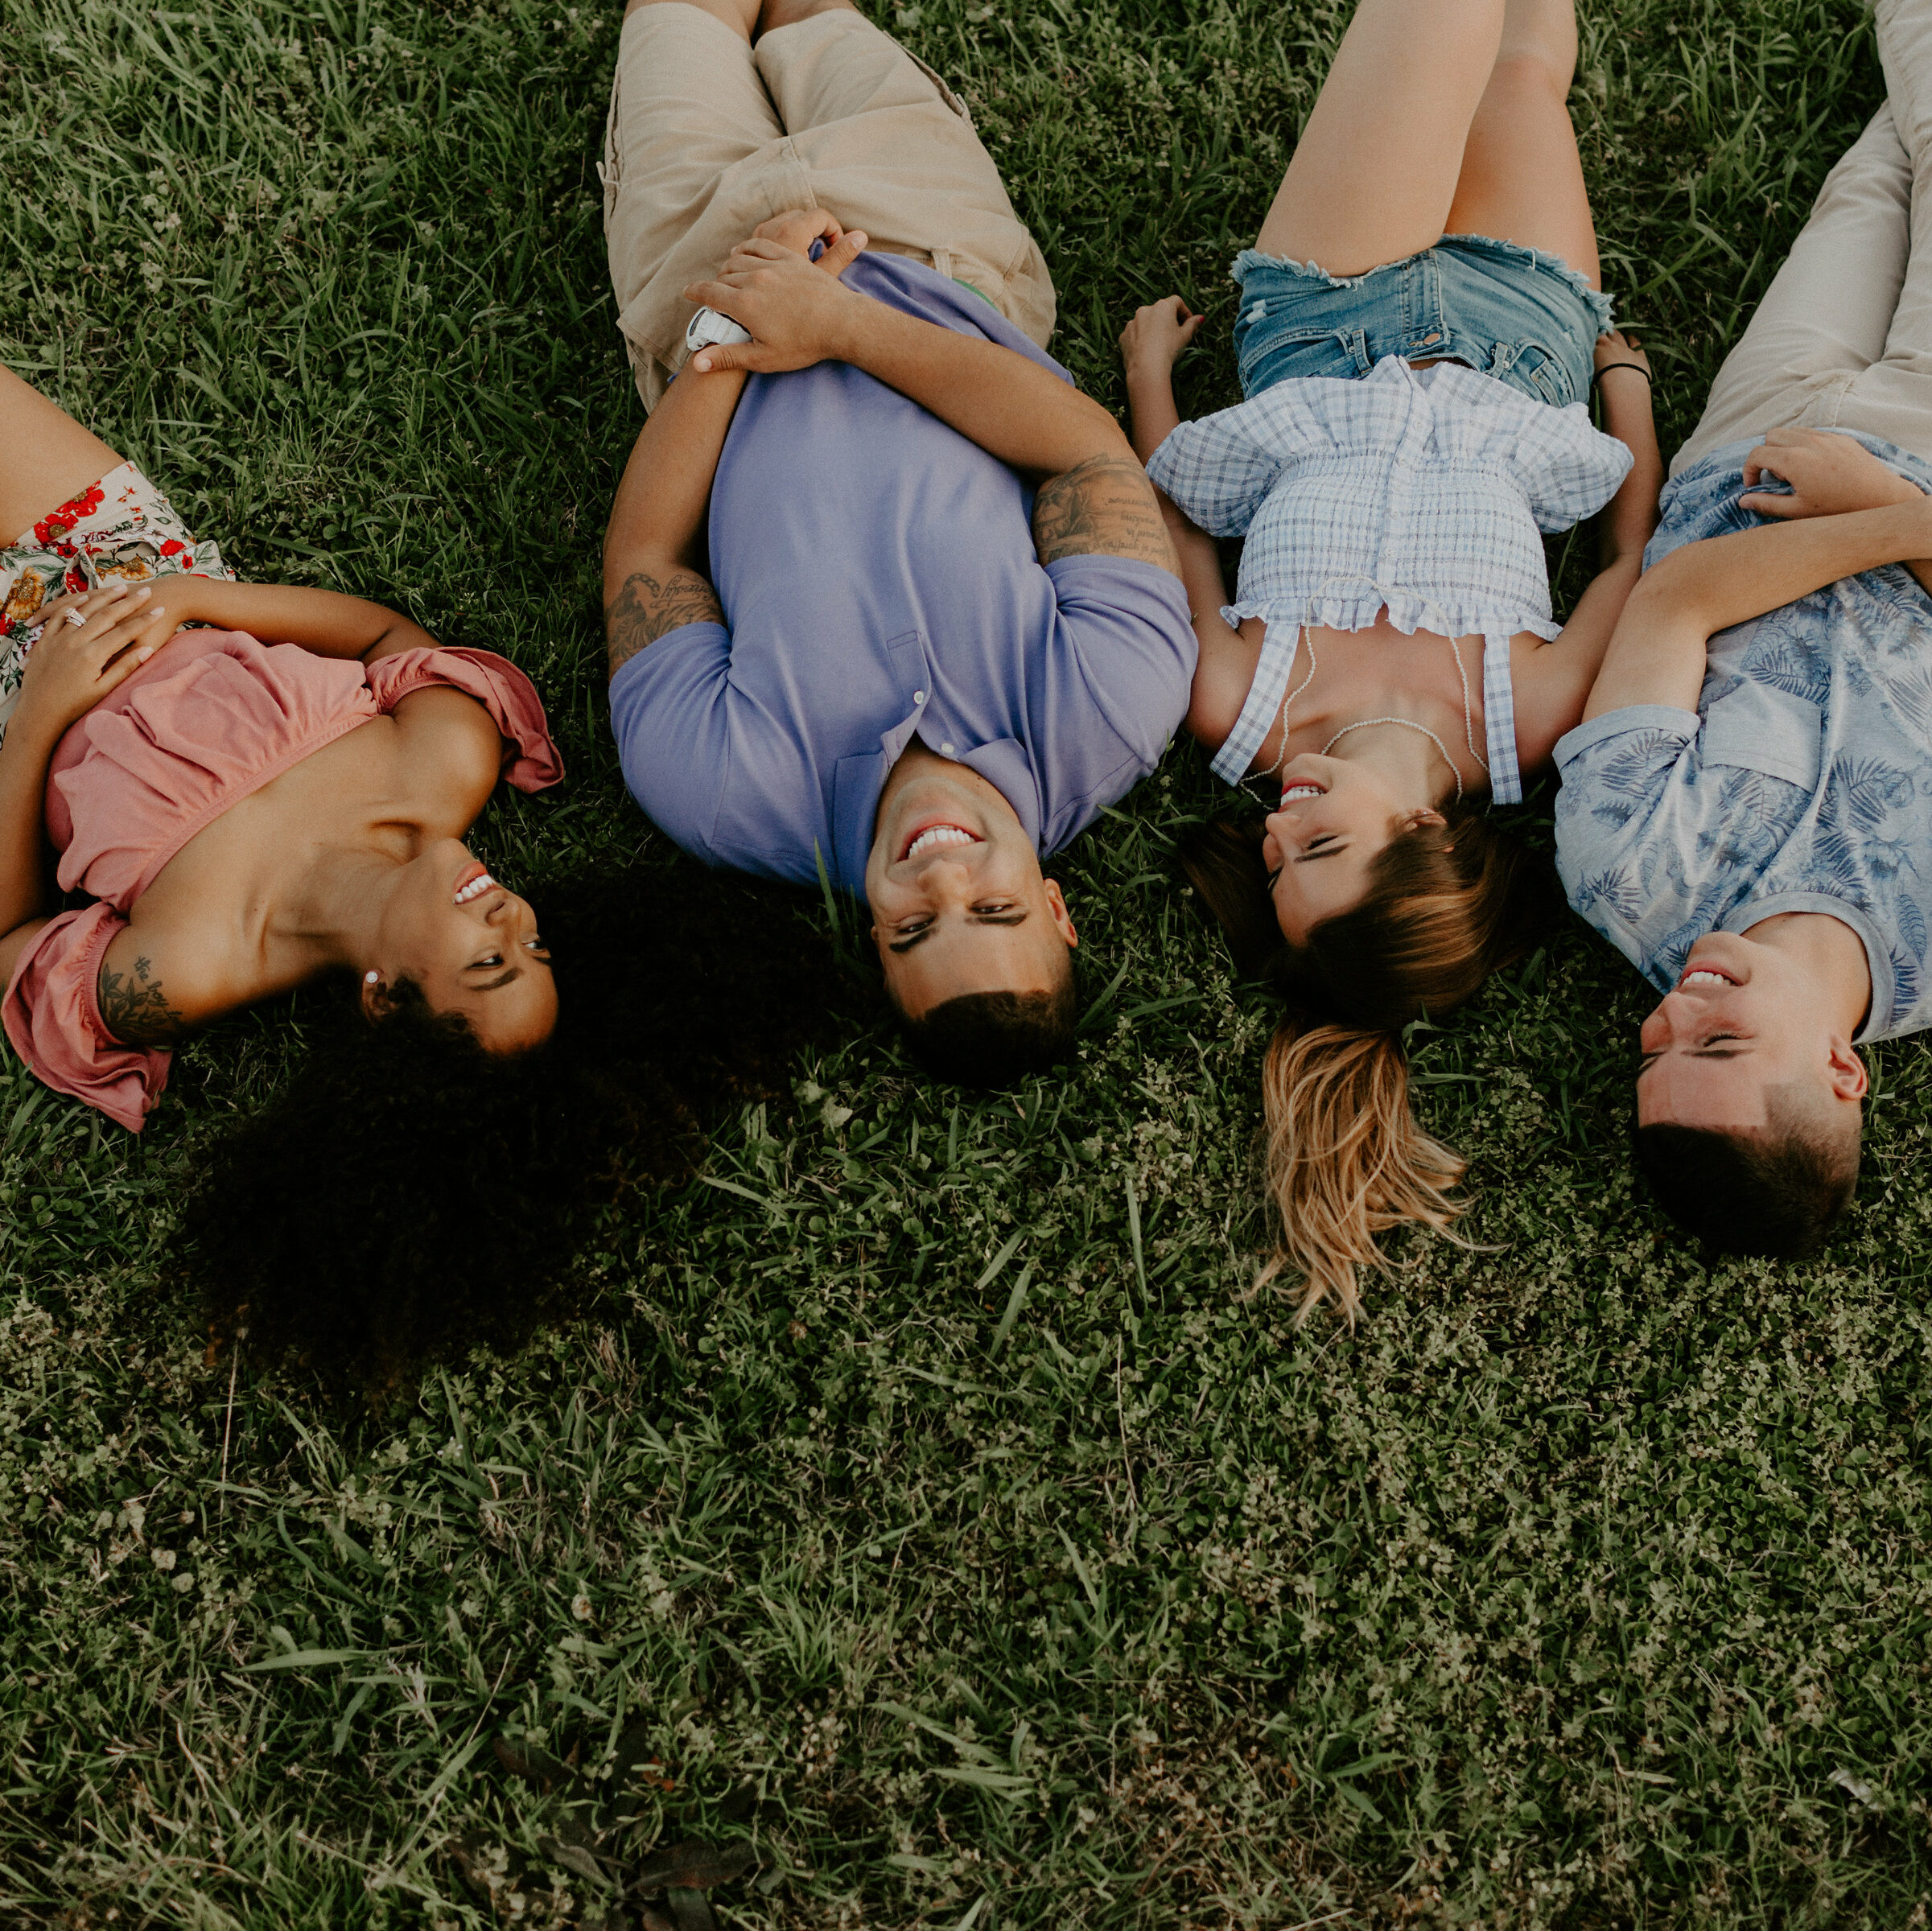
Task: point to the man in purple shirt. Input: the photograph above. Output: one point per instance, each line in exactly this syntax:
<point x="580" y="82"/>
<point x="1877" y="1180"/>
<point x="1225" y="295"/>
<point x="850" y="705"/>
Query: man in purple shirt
<point x="887" y="599"/>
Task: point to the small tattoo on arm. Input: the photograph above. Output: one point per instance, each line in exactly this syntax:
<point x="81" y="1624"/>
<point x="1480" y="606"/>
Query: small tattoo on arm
<point x="647" y="607"/>
<point x="135" y="1008"/>
<point x="1104" y="507"/>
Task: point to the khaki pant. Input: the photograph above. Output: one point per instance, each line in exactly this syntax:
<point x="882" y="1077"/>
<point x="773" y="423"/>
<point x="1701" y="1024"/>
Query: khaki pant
<point x="709" y="136"/>
<point x="1843" y="339"/>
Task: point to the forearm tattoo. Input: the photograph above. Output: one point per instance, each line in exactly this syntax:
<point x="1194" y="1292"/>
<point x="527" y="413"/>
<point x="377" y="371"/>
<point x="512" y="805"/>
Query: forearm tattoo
<point x="647" y="607"/>
<point x="1102" y="507"/>
<point x="135" y="1008"/>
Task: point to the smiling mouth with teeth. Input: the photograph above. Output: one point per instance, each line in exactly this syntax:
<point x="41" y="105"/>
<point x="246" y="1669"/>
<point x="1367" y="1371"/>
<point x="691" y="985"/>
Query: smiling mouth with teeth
<point x="1703" y="975"/>
<point x="475" y="889"/>
<point x="1296" y="792"/>
<point x="933" y="837"/>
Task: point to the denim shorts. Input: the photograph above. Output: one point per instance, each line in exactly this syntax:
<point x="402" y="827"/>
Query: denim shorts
<point x="1507" y="311"/>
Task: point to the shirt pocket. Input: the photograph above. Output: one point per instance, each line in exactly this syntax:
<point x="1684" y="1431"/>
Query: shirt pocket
<point x="1758" y="727"/>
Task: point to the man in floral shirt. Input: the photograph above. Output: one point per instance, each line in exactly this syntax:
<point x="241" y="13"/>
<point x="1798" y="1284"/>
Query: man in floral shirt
<point x="1746" y="810"/>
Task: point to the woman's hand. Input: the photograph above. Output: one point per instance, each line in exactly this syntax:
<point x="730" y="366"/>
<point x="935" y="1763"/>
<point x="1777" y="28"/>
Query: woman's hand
<point x="88" y="645"/>
<point x="1617" y="346"/>
<point x="1151" y="343"/>
<point x="1830" y="475"/>
<point x="798" y="311"/>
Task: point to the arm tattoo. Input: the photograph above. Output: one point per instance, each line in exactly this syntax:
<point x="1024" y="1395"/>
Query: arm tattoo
<point x="646" y="608"/>
<point x="1102" y="507"/>
<point x="135" y="1008"/>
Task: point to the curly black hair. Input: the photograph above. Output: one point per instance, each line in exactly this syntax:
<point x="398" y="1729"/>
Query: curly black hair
<point x="407" y="1196"/>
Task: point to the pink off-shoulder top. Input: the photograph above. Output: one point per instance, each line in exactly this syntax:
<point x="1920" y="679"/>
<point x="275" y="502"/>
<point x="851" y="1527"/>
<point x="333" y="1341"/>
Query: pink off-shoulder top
<point x="214" y="717"/>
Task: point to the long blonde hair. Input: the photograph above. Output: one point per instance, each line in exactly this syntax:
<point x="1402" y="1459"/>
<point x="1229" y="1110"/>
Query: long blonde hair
<point x="1346" y="1159"/>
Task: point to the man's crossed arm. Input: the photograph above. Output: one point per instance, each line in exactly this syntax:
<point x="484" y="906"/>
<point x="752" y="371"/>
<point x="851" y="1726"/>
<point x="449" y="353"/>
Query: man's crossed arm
<point x="1093" y="499"/>
<point x="1658" y="652"/>
<point x="654" y="550"/>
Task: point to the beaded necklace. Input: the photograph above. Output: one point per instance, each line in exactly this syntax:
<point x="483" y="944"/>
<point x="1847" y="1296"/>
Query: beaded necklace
<point x="1469" y="719"/>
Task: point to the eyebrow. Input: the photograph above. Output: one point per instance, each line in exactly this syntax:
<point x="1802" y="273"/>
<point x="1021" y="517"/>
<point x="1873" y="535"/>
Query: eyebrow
<point x="978" y="918"/>
<point x="1309" y="858"/>
<point x="1649" y="1060"/>
<point x="516" y="972"/>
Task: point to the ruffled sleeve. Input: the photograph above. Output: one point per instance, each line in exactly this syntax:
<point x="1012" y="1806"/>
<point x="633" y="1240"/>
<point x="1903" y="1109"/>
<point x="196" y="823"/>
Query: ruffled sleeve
<point x="1217" y="471"/>
<point x="52" y="1016"/>
<point x="1566" y="468"/>
<point x="530" y="760"/>
<point x="1569" y="470"/>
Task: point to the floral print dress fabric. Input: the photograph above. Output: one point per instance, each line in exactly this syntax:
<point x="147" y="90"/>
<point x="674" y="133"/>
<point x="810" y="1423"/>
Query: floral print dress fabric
<point x="121" y="528"/>
<point x="1803" y="782"/>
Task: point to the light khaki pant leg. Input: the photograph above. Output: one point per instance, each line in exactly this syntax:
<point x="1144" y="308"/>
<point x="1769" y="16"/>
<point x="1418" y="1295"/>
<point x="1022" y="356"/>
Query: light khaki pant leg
<point x="1843" y="339"/>
<point x="708" y="136"/>
<point x="1824" y="319"/>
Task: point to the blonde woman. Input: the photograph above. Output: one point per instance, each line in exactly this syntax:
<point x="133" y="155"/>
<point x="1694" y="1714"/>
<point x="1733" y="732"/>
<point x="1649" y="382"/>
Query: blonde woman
<point x="1419" y="326"/>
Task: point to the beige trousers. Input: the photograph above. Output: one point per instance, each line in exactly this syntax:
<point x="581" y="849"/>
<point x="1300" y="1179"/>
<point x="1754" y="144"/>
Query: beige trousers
<point x="708" y="136"/>
<point x="1843" y="339"/>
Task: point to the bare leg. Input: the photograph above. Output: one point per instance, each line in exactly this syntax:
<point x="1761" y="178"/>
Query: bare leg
<point x="50" y="458"/>
<point x="1375" y="174"/>
<point x="1521" y="180"/>
<point x="740" y="16"/>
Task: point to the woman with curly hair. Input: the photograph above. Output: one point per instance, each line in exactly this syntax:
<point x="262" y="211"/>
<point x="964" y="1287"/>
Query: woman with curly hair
<point x="243" y="816"/>
<point x="1419" y="323"/>
<point x="278" y="798"/>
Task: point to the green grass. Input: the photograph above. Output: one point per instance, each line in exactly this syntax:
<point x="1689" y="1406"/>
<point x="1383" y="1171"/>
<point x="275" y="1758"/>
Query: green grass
<point x="927" y="1473"/>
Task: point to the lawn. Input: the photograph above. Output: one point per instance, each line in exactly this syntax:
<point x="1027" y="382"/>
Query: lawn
<point x="923" y="1502"/>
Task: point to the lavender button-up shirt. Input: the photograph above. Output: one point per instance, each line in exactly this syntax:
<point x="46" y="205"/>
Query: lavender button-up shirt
<point x="878" y="576"/>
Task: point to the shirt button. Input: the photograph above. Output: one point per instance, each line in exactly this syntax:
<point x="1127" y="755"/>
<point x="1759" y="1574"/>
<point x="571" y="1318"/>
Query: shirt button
<point x="919" y="697"/>
<point x="945" y="751"/>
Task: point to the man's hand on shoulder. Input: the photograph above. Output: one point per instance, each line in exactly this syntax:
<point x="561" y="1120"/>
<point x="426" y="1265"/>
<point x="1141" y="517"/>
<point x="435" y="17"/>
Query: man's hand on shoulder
<point x="1830" y="475"/>
<point x="651" y="605"/>
<point x="1104" y="507"/>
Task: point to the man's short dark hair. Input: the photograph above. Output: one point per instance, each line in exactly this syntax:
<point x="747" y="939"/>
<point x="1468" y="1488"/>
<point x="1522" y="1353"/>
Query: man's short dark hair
<point x="995" y="1039"/>
<point x="1775" y="1190"/>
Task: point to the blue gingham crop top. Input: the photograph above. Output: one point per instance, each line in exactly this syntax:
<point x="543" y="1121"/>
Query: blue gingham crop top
<point x="1425" y="491"/>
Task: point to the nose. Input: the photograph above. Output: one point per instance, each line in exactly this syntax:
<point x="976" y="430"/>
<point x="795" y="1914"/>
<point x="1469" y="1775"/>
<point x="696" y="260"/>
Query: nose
<point x="946" y="872"/>
<point x="1672" y="1009"/>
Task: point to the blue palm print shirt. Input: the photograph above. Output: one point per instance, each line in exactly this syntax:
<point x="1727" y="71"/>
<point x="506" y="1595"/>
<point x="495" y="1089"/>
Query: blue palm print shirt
<point x="1803" y="782"/>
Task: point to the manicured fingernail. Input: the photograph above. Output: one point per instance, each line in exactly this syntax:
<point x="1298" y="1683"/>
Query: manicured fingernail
<point x="142" y="655"/>
<point x="702" y="362"/>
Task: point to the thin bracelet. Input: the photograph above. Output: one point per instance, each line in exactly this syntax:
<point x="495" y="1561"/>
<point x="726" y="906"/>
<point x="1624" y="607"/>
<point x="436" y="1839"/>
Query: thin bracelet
<point x="1597" y="375"/>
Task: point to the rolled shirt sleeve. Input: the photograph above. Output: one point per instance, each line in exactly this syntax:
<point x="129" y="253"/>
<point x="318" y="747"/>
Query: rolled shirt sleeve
<point x="1627" y="845"/>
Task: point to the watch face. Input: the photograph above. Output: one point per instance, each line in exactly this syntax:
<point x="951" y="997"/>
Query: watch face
<point x="708" y="327"/>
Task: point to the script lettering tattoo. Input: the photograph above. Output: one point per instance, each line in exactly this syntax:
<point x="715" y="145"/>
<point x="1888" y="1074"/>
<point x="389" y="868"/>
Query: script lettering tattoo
<point x="135" y="1008"/>
<point x="1102" y="507"/>
<point x="647" y="607"/>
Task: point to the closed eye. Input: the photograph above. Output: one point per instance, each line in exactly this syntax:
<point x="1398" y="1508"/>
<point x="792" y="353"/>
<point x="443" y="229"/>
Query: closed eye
<point x="1708" y="1049"/>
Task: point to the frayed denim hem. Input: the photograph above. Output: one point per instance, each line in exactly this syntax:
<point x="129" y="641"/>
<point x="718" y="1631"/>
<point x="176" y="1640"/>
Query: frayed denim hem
<point x="1539" y="261"/>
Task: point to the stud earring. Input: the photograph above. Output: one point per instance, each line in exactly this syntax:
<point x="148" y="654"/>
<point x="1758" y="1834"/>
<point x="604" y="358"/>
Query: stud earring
<point x="372" y="978"/>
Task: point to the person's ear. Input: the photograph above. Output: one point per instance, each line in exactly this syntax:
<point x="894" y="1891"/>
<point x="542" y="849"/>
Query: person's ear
<point x="1063" y="919"/>
<point x="1849" y="1079"/>
<point x="1423" y="815"/>
<point x="378" y="1001"/>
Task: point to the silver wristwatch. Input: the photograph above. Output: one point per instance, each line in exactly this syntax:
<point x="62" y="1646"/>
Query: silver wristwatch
<point x="708" y="328"/>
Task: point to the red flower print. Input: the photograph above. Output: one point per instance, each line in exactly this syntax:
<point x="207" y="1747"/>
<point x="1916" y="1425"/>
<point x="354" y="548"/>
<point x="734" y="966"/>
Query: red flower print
<point x="170" y="548"/>
<point x="60" y="521"/>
